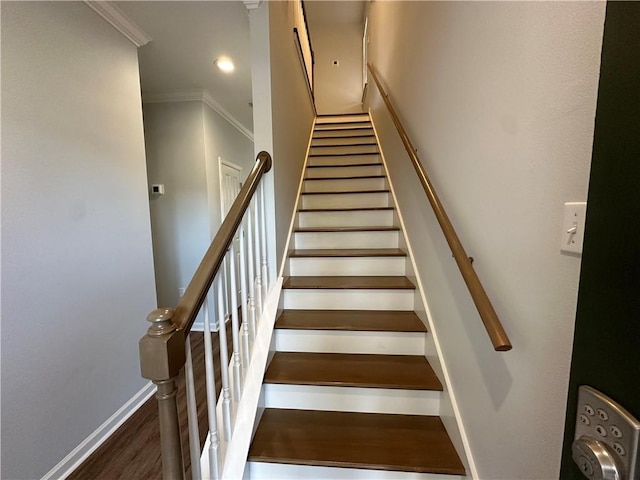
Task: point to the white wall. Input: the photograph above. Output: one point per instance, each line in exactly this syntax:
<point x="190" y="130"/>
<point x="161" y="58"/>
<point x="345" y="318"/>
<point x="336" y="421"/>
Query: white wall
<point x="283" y="113"/>
<point x="499" y="98"/>
<point x="338" y="89"/>
<point x="76" y="261"/>
<point x="184" y="141"/>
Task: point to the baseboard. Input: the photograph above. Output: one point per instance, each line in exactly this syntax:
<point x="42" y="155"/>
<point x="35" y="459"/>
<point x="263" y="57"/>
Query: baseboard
<point x="79" y="454"/>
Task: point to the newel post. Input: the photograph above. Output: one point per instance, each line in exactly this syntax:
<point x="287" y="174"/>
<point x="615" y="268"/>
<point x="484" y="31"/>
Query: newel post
<point x="162" y="356"/>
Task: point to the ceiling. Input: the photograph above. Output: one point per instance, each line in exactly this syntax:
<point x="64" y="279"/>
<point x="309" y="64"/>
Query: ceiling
<point x="187" y="36"/>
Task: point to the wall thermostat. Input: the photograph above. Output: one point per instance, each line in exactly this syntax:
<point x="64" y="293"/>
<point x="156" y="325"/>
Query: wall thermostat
<point x="157" y="189"/>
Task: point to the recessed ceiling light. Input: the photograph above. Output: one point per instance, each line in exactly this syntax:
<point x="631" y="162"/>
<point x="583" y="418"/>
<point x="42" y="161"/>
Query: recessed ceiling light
<point x="225" y="64"/>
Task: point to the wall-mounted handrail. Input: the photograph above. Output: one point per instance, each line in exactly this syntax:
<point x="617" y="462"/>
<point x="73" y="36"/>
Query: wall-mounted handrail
<point x="163" y="351"/>
<point x="487" y="313"/>
<point x="304" y="69"/>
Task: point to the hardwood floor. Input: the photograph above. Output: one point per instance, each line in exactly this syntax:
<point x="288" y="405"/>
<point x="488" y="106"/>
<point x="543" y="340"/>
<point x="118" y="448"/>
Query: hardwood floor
<point x="133" y="451"/>
<point x="413" y="443"/>
<point x="411" y="372"/>
<point x="351" y="320"/>
<point x="349" y="282"/>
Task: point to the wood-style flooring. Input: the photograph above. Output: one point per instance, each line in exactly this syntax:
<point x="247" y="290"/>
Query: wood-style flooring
<point x="349" y="282"/>
<point x="411" y="372"/>
<point x="351" y="320"/>
<point x="412" y="443"/>
<point x="133" y="451"/>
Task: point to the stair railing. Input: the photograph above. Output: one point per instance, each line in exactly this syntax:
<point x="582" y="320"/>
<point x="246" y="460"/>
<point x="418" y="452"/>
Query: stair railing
<point x="489" y="317"/>
<point x="165" y="350"/>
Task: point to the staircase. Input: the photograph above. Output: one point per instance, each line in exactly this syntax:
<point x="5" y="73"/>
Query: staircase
<point x="349" y="392"/>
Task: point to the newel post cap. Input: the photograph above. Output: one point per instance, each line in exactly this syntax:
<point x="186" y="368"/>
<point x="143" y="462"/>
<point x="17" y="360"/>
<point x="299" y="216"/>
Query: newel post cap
<point x="162" y="351"/>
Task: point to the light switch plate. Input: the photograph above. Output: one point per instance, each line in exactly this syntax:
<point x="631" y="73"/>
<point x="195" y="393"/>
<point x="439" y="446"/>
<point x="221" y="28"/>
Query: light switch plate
<point x="573" y="227"/>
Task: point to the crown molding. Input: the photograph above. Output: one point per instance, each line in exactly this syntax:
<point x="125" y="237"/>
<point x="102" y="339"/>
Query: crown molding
<point x="252" y="4"/>
<point x="198" y="95"/>
<point x="120" y="21"/>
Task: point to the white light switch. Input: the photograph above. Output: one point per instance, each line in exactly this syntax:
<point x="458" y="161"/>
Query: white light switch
<point x="573" y="227"/>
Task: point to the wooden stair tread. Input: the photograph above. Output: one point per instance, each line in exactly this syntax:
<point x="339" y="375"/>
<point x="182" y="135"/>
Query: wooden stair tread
<point x="408" y="372"/>
<point x="413" y="443"/>
<point x="349" y="282"/>
<point x="353" y="177"/>
<point x="319" y="125"/>
<point x="333" y="145"/>
<point x="347" y="114"/>
<point x="346" y="192"/>
<point x="347" y="229"/>
<point x="333" y="128"/>
<point x="350" y="209"/>
<point x="349" y="154"/>
<point x="362" y="135"/>
<point x="350" y="165"/>
<point x="350" y="320"/>
<point x="347" y="252"/>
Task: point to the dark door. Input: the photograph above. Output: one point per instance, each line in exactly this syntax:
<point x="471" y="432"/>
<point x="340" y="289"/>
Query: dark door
<point x="606" y="349"/>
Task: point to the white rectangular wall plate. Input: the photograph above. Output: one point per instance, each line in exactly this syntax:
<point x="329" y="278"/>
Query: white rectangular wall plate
<point x="573" y="227"/>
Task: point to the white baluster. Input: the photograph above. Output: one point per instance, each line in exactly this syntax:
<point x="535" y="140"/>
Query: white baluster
<point x="224" y="363"/>
<point x="192" y="415"/>
<point x="256" y="239"/>
<point x="237" y="367"/>
<point x="251" y="257"/>
<point x="214" y="443"/>
<point x="263" y="238"/>
<point x="243" y="297"/>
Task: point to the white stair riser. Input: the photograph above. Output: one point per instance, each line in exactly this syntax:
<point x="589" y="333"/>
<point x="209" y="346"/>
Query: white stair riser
<point x="358" y="170"/>
<point x="344" y="185"/>
<point x="346" y="200"/>
<point x="343" y="159"/>
<point x="342" y="119"/>
<point x="389" y="239"/>
<point x="334" y="266"/>
<point x="323" y="341"/>
<point x="354" y="218"/>
<point x="343" y="139"/>
<point x="352" y="399"/>
<point x="283" y="471"/>
<point x="346" y="299"/>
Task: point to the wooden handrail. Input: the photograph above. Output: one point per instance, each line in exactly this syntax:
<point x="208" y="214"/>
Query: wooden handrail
<point x="487" y="313"/>
<point x="304" y="69"/>
<point x="194" y="295"/>
<point x="162" y="349"/>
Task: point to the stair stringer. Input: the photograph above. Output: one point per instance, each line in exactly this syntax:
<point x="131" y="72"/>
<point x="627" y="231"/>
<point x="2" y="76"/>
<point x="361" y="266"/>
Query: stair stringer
<point x="449" y="410"/>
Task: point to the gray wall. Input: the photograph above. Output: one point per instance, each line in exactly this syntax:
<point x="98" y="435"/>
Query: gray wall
<point x="499" y="99"/>
<point x="77" y="271"/>
<point x="184" y="141"/>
